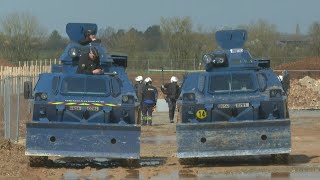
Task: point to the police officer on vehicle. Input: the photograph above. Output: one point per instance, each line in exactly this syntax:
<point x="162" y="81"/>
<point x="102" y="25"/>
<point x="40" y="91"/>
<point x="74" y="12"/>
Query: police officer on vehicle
<point x="149" y="101"/>
<point x="172" y="92"/>
<point x="89" y="36"/>
<point x="90" y="63"/>
<point x="139" y="86"/>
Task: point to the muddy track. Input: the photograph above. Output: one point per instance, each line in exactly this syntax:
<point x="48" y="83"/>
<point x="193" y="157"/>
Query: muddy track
<point x="158" y="157"/>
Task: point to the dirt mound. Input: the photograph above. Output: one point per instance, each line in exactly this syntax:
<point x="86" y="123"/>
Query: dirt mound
<point x="304" y="94"/>
<point x="305" y="83"/>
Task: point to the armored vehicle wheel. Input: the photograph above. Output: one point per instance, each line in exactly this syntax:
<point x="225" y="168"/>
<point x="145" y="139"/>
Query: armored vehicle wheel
<point x="188" y="161"/>
<point x="280" y="158"/>
<point x="37" y="161"/>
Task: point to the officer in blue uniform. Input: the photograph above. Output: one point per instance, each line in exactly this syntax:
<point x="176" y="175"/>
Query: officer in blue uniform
<point x="149" y="101"/>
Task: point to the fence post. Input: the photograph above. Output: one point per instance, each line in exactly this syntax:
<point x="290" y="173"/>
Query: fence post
<point x="148" y="67"/>
<point x="4" y="109"/>
<point x="18" y="110"/>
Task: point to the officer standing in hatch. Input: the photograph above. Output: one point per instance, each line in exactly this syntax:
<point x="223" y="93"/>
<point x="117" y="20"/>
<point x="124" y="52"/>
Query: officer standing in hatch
<point x="89" y="36"/>
<point x="149" y="101"/>
<point x="172" y="92"/>
<point x="90" y="63"/>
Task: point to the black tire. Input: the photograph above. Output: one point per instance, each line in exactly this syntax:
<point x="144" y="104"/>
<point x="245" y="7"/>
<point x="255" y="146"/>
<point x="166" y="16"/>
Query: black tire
<point x="188" y="161"/>
<point x="280" y="158"/>
<point x="133" y="163"/>
<point x="38" y="161"/>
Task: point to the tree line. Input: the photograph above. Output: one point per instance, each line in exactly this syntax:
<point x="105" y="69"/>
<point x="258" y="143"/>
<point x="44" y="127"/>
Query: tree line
<point x="175" y="40"/>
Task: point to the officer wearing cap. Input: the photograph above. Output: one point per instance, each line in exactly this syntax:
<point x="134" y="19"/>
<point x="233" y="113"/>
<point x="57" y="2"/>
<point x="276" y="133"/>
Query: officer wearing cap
<point x="90" y="63"/>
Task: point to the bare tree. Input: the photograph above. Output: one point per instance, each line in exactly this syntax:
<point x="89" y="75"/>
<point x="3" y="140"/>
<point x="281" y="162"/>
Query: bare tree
<point x="23" y="36"/>
<point x="262" y="38"/>
<point x="314" y="35"/>
<point x="177" y="35"/>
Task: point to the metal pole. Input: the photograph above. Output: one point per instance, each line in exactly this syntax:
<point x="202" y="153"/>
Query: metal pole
<point x="4" y="109"/>
<point x="148" y="67"/>
<point x="18" y="109"/>
<point x="9" y="107"/>
<point x="162" y="75"/>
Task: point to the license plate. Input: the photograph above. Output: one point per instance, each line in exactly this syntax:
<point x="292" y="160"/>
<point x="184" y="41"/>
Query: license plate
<point x="224" y="106"/>
<point x="237" y="105"/>
<point x="242" y="105"/>
<point x="75" y="108"/>
<point x="93" y="108"/>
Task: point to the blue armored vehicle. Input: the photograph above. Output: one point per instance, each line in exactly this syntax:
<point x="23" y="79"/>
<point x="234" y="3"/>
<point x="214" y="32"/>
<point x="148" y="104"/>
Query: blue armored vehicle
<point x="83" y="115"/>
<point x="236" y="107"/>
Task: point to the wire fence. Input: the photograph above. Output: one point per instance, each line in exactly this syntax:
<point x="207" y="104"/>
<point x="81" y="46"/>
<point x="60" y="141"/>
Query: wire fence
<point x="15" y="110"/>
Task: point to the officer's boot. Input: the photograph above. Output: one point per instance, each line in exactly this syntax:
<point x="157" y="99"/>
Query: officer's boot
<point x="144" y="120"/>
<point x="149" y="120"/>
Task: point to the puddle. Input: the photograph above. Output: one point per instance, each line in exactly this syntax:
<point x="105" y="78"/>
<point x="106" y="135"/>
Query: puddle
<point x="304" y="113"/>
<point x="103" y="162"/>
<point x="100" y="174"/>
<point x="253" y="176"/>
<point x="133" y="174"/>
<point x="159" y="140"/>
<point x="152" y="161"/>
<point x="186" y="174"/>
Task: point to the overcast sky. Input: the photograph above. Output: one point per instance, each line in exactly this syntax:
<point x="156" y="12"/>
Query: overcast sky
<point x="140" y="14"/>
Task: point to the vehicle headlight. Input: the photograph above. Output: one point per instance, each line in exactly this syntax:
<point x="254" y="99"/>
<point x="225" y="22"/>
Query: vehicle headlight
<point x="206" y="58"/>
<point x="219" y="60"/>
<point x="275" y="93"/>
<point x="125" y="99"/>
<point x="73" y="52"/>
<point x="189" y="97"/>
<point x="44" y="96"/>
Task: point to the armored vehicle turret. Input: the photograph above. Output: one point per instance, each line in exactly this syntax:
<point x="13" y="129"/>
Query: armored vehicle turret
<point x="83" y="115"/>
<point x="236" y="107"/>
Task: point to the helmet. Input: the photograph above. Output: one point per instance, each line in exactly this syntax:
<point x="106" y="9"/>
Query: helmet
<point x="88" y="32"/>
<point x="147" y="80"/>
<point x="174" y="79"/>
<point x="139" y="78"/>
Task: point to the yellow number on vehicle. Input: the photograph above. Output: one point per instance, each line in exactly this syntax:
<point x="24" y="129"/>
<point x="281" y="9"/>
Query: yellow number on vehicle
<point x="201" y="114"/>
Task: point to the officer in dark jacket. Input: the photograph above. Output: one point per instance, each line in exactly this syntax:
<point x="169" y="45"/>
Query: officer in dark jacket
<point x="90" y="63"/>
<point x="172" y="92"/>
<point x="139" y="87"/>
<point x="89" y="36"/>
<point x="149" y="101"/>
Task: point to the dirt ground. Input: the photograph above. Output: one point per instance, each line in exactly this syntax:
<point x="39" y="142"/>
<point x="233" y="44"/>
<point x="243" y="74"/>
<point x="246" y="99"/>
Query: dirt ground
<point x="158" y="148"/>
<point x="159" y="161"/>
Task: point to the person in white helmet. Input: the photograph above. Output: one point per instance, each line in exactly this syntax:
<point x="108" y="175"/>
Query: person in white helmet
<point x="149" y="101"/>
<point x="172" y="92"/>
<point x="139" y="86"/>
